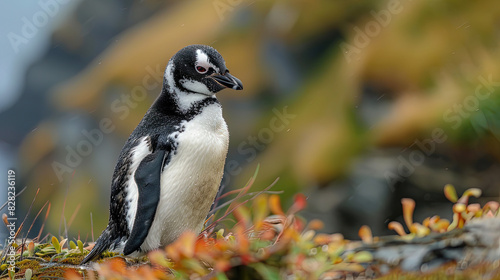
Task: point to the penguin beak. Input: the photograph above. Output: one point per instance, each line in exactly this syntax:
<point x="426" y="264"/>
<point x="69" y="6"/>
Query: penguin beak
<point x="228" y="81"/>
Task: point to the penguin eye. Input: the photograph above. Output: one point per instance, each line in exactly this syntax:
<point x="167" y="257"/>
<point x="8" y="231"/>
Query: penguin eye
<point x="201" y="69"/>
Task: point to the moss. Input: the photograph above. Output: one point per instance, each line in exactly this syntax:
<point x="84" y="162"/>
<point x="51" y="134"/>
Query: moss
<point x="39" y="271"/>
<point x="25" y="264"/>
<point x="46" y="266"/>
<point x="73" y="260"/>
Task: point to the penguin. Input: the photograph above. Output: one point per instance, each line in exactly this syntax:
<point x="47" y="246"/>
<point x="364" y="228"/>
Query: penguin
<point x="170" y="169"/>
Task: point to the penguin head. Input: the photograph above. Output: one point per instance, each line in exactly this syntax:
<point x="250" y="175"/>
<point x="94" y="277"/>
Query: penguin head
<point x="199" y="70"/>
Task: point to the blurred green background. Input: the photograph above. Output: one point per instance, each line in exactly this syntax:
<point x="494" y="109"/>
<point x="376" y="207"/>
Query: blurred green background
<point x="354" y="103"/>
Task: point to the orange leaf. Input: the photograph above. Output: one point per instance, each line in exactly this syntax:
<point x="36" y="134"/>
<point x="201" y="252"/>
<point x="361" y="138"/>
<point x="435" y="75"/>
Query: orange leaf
<point x="31" y="248"/>
<point x="397" y="227"/>
<point x="289" y="234"/>
<point x="474" y="207"/>
<point x="450" y="193"/>
<point x="419" y="230"/>
<point x="222" y="265"/>
<point x="489" y="214"/>
<point x="242" y="240"/>
<point x="491" y="205"/>
<point x="461" y="222"/>
<point x="454" y="223"/>
<point x="322" y="239"/>
<point x="298" y="224"/>
<point x="426" y="222"/>
<point x="260" y="210"/>
<point x="366" y="234"/>
<point x="242" y="214"/>
<point x="158" y="258"/>
<point x="468" y="193"/>
<point x="186" y="242"/>
<point x="275" y="205"/>
<point x="117" y="265"/>
<point x="408" y="208"/>
<point x="300" y="201"/>
<point x="441" y="226"/>
<point x="316" y="224"/>
<point x="459" y="208"/>
<point x="182" y="247"/>
<point x="71" y="274"/>
<point x="434" y="219"/>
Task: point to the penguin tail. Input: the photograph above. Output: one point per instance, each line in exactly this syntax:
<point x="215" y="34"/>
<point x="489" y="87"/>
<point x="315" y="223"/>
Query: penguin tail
<point x="102" y="244"/>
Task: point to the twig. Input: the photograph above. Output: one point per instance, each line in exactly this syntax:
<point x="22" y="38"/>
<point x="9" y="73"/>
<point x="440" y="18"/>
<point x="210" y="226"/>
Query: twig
<point x="244" y="190"/>
<point x="44" y="221"/>
<point x="45" y="237"/>
<point x="32" y="223"/>
<point x="65" y="230"/>
<point x="229" y="211"/>
<point x="31" y="226"/>
<point x="248" y="194"/>
<point x="19" y="229"/>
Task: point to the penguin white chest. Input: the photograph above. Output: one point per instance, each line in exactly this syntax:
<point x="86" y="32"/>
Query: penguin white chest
<point x="191" y="179"/>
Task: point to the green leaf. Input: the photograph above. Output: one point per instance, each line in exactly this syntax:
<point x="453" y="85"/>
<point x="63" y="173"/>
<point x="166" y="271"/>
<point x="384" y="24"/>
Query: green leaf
<point x="80" y="245"/>
<point x="28" y="273"/>
<point x="48" y="250"/>
<point x="31" y="249"/>
<point x="221" y="276"/>
<point x="220" y="234"/>
<point x="362" y="257"/>
<point x="450" y="193"/>
<point x="56" y="244"/>
<point x="72" y="245"/>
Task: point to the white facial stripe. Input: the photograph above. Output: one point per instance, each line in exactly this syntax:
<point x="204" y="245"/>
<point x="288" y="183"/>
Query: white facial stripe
<point x="184" y="99"/>
<point x="203" y="60"/>
<point x="187" y="100"/>
<point x="169" y="74"/>
<point x="195" y="86"/>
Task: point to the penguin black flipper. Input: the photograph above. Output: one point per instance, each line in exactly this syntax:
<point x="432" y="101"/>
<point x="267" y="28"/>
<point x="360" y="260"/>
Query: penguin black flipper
<point x="147" y="177"/>
<point x="101" y="245"/>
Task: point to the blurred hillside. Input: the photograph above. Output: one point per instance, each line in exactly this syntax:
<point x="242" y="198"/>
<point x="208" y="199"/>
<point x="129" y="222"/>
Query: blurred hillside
<point x="355" y="103"/>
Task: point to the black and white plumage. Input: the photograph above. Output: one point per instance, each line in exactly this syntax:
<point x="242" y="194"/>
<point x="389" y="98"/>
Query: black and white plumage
<point x="170" y="168"/>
